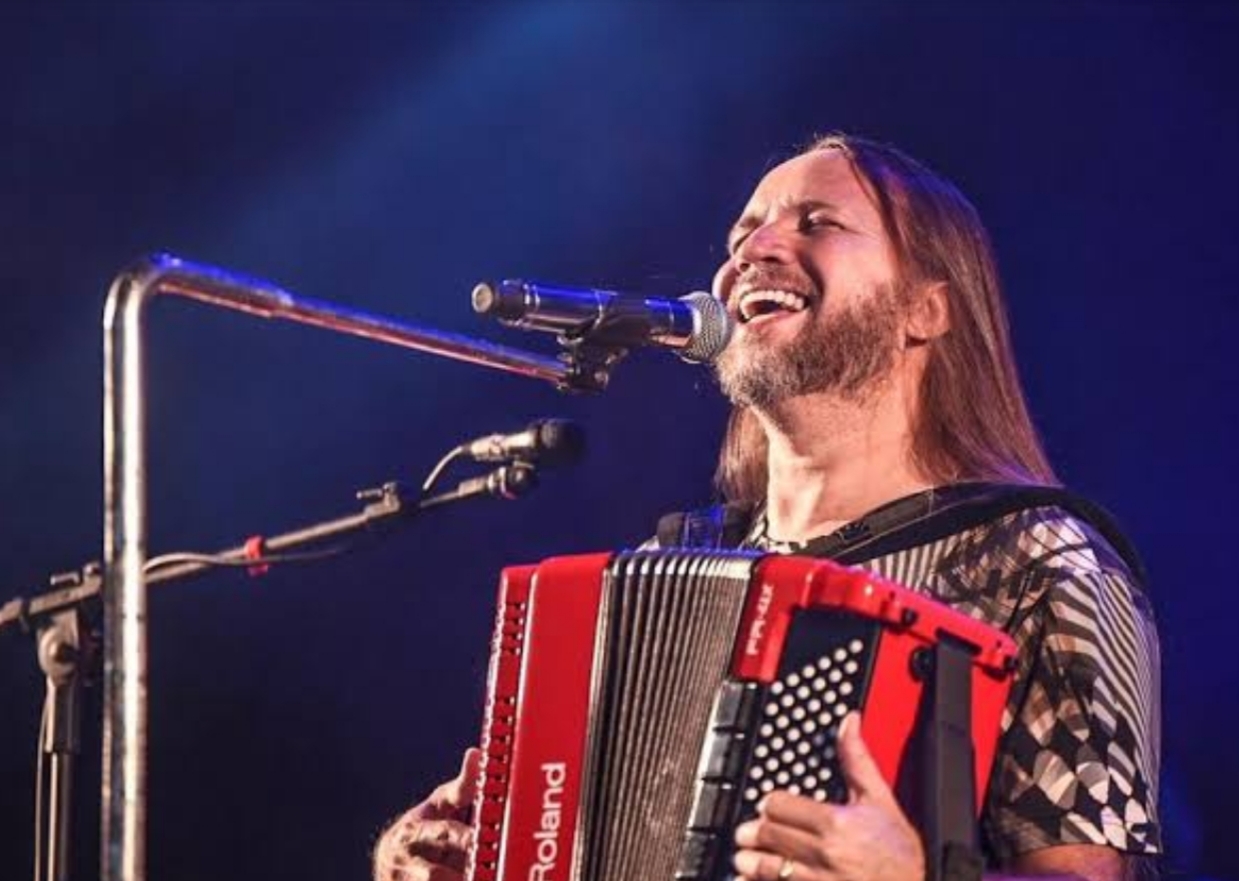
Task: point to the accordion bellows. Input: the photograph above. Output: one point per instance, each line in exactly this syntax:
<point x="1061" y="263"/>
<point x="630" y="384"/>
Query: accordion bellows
<point x="639" y="705"/>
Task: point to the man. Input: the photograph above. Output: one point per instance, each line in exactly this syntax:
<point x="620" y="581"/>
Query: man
<point x="873" y="382"/>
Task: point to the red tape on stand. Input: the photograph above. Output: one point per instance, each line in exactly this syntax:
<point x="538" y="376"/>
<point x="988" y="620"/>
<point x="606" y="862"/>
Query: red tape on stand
<point x="256" y="549"/>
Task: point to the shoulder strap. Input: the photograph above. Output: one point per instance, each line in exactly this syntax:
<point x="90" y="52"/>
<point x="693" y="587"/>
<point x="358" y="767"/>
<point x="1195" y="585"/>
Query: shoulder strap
<point x="965" y="506"/>
<point x="712" y="528"/>
<point x="906" y="523"/>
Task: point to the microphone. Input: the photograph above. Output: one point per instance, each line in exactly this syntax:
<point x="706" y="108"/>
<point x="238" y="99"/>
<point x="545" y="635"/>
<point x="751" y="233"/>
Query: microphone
<point x="508" y="482"/>
<point x="697" y="326"/>
<point x="546" y="441"/>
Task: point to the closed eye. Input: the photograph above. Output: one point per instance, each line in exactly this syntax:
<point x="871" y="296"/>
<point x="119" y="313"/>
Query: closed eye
<point x="736" y="239"/>
<point x="812" y="222"/>
<point x="810" y="217"/>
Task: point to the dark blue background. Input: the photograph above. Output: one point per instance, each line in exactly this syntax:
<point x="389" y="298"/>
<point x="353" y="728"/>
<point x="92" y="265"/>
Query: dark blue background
<point x="388" y="156"/>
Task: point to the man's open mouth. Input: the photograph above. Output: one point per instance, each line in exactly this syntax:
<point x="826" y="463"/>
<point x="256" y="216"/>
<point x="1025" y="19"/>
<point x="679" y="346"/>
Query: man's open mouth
<point x="765" y="302"/>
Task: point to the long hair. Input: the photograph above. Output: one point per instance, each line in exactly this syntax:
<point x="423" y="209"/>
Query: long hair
<point x="972" y="422"/>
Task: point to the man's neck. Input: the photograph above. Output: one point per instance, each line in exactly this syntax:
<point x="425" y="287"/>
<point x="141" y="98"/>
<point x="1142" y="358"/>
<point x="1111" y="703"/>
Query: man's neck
<point x="832" y="461"/>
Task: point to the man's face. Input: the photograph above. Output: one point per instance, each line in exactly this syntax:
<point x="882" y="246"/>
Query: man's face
<point x="811" y="283"/>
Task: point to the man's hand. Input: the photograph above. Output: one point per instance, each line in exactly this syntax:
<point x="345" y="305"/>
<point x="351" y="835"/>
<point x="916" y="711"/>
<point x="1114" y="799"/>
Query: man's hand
<point x="867" y="839"/>
<point x="430" y="841"/>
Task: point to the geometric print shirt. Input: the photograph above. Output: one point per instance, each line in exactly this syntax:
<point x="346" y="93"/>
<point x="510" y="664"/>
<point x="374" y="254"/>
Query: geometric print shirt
<point x="1077" y="762"/>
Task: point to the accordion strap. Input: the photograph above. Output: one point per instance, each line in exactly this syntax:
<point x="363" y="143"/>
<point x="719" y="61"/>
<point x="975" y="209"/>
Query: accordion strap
<point x="905" y="523"/>
<point x="712" y="528"/>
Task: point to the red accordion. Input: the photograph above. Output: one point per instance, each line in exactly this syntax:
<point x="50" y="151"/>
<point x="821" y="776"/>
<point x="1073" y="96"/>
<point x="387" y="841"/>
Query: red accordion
<point x="640" y="705"/>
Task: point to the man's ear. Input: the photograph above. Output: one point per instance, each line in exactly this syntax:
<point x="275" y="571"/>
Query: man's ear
<point x="929" y="313"/>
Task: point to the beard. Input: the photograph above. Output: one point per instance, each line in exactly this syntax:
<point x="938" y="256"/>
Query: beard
<point x="844" y="353"/>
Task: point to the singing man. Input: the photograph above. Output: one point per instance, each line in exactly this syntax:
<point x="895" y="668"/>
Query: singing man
<point x="874" y="391"/>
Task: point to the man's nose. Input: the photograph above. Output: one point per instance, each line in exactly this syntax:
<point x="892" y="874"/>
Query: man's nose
<point x="766" y="244"/>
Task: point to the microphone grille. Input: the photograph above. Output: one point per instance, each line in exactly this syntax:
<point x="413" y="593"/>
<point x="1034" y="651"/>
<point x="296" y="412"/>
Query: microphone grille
<point x="712" y="328"/>
<point x="485" y="299"/>
<point x="559" y="441"/>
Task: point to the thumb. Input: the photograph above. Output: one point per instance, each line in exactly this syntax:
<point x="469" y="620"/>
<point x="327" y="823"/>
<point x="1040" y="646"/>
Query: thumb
<point x="860" y="771"/>
<point x="465" y="788"/>
<point x="454" y="799"/>
<point x="470" y="772"/>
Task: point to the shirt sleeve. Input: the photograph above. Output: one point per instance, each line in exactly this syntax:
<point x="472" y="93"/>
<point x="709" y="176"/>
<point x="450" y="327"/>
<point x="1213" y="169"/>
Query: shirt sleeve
<point x="1078" y="759"/>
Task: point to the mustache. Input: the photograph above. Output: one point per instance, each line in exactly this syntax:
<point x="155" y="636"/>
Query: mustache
<point x="777" y="278"/>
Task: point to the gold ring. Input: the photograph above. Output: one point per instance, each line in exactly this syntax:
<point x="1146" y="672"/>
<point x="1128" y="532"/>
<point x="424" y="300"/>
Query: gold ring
<point x="786" y="869"/>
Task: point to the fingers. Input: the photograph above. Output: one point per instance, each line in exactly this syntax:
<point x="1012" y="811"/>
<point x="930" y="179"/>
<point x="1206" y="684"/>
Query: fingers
<point x="431" y="841"/>
<point x="758" y="866"/>
<point x="786" y="837"/>
<point x="861" y="772"/>
<point x="810" y="817"/>
<point x="795" y="838"/>
<point x="440" y="841"/>
<point x="762" y="866"/>
<point x="413" y="845"/>
<point x="766" y="834"/>
<point x="418" y="869"/>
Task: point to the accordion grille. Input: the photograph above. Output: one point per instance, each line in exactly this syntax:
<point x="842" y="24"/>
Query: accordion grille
<point x="667" y="628"/>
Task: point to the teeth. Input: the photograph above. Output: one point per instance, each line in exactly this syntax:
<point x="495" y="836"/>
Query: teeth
<point x="753" y="303"/>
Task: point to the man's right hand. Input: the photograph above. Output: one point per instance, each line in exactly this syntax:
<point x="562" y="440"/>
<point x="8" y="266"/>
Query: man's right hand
<point x="430" y="841"/>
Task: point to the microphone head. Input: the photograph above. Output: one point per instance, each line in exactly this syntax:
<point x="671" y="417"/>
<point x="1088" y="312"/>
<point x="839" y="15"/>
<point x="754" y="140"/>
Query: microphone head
<point x="712" y="328"/>
<point x="559" y="441"/>
<point x="484" y="299"/>
<point x="505" y="300"/>
<point x="508" y="301"/>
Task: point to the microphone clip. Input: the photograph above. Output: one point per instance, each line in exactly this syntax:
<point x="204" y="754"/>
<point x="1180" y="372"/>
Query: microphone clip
<point x="510" y="481"/>
<point x="589" y="361"/>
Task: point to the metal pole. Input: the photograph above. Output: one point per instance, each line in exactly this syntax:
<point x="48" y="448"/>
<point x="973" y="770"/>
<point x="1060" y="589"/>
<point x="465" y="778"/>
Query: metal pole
<point x="124" y="590"/>
<point x="124" y="497"/>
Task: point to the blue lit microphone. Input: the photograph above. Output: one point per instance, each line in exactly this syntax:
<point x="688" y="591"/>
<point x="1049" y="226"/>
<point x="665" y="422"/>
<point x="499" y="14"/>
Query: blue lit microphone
<point x="697" y="326"/>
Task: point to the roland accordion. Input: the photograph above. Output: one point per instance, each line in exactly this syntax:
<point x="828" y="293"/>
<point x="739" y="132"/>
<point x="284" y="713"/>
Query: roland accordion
<point x="641" y="704"/>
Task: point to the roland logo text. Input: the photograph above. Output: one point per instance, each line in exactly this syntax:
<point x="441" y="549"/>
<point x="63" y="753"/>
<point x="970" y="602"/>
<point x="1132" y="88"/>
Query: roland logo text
<point x="546" y="838"/>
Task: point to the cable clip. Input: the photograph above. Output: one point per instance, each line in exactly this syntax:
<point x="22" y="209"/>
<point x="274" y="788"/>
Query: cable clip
<point x="256" y="549"/>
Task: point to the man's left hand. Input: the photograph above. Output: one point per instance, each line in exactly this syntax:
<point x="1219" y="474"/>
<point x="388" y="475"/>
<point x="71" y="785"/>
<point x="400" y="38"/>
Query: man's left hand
<point x="867" y="839"/>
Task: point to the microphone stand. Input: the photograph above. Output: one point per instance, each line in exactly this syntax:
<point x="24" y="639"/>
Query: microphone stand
<point x="125" y="700"/>
<point x="67" y="640"/>
<point x="64" y="646"/>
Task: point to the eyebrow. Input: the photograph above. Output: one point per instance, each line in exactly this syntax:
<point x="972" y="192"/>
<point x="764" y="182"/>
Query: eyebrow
<point x="752" y="219"/>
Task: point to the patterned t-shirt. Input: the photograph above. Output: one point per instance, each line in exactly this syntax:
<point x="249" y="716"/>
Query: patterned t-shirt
<point x="1077" y="762"/>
